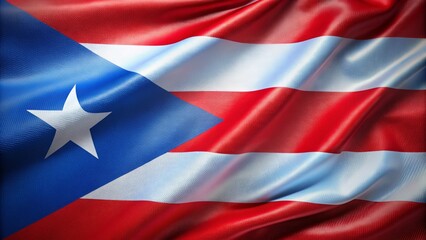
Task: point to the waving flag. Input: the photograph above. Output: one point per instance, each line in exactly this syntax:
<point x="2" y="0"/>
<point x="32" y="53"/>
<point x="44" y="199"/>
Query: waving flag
<point x="213" y="119"/>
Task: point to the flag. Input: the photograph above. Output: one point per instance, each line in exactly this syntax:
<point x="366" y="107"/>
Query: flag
<point x="213" y="119"/>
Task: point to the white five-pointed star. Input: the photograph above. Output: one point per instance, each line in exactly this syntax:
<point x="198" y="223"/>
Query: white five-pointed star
<point x="72" y="123"/>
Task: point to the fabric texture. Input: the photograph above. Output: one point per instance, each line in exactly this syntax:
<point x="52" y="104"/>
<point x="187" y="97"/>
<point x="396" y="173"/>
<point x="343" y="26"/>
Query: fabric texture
<point x="213" y="119"/>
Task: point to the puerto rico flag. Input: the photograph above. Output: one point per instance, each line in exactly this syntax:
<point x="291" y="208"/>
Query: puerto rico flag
<point x="190" y="119"/>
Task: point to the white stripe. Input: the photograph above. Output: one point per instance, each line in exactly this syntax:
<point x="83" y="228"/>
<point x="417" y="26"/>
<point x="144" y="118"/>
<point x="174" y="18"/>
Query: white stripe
<point x="320" y="64"/>
<point x="259" y="177"/>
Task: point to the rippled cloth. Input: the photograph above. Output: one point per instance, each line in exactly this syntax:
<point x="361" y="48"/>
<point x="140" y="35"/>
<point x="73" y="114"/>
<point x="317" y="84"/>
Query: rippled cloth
<point x="322" y="108"/>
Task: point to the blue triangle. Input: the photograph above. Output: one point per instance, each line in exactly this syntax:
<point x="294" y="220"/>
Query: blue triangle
<point x="39" y="67"/>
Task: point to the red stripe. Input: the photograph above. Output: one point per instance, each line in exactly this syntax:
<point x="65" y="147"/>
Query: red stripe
<point x="165" y="22"/>
<point x="288" y="120"/>
<point x="99" y="219"/>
